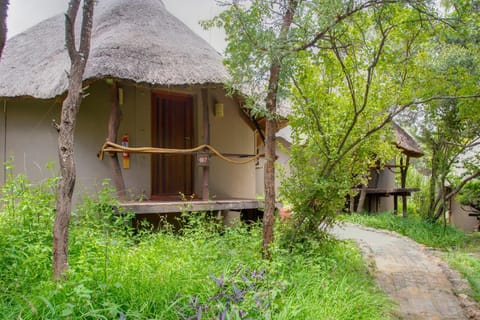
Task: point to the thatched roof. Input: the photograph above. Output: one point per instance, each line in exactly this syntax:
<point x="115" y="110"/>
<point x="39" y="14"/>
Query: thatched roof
<point x="132" y="40"/>
<point x="406" y="142"/>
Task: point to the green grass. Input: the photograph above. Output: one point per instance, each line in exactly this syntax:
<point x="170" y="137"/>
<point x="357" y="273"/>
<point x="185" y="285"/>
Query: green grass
<point x="414" y="227"/>
<point x="116" y="273"/>
<point x="468" y="264"/>
<point x="467" y="261"/>
<point x="461" y="251"/>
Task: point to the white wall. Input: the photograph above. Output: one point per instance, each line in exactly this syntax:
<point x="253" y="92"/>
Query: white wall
<point x="231" y="134"/>
<point x="459" y="217"/>
<point x="281" y="163"/>
<point x="32" y="140"/>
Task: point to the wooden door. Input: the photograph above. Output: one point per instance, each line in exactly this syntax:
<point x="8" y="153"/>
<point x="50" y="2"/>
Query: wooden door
<point x="172" y="127"/>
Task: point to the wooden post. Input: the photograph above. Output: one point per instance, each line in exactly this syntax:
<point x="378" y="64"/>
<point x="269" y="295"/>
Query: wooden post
<point x="352" y="204"/>
<point x="113" y="125"/>
<point x="361" y="200"/>
<point x="206" y="140"/>
<point x="403" y="181"/>
<point x="395" y="204"/>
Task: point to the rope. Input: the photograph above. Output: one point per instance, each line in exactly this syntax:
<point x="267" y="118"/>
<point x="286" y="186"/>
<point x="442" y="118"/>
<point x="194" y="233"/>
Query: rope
<point x="113" y="147"/>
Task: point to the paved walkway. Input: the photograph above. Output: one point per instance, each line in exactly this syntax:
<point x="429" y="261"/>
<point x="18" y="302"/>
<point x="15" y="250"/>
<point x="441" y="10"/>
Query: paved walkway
<point x="410" y="275"/>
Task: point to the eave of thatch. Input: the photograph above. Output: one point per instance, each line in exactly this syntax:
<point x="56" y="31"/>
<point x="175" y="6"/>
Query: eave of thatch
<point x="138" y="41"/>
<point x="406" y="142"/>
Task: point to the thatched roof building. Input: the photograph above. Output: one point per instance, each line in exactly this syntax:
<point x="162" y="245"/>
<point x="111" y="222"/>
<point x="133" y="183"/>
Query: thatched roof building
<point x="406" y="143"/>
<point x="138" y="41"/>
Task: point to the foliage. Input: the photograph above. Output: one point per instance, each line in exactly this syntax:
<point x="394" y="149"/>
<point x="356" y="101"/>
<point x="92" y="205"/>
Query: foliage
<point x="470" y="194"/>
<point x="427" y="233"/>
<point x="418" y="201"/>
<point x="449" y="128"/>
<point x="467" y="262"/>
<point x="26" y="218"/>
<point x="116" y="273"/>
<point x="239" y="295"/>
<point x="344" y="96"/>
<point x="268" y="42"/>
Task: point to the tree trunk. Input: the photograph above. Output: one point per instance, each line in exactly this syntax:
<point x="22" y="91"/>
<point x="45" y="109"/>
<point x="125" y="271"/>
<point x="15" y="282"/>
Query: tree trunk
<point x="69" y="112"/>
<point x="433" y="183"/>
<point x="269" y="173"/>
<point x="3" y="24"/>
<point x="270" y="131"/>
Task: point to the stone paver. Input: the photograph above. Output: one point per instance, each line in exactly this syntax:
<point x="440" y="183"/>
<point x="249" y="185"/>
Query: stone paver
<point x="411" y="276"/>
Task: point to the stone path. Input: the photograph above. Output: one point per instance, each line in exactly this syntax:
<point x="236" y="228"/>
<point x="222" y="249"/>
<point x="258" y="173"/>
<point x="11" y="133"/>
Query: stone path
<point x="408" y="273"/>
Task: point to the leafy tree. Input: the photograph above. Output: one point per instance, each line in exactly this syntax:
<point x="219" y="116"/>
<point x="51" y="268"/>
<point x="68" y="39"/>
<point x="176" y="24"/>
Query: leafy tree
<point x="3" y="24"/>
<point x="70" y="107"/>
<point x="451" y="137"/>
<point x="344" y="95"/>
<point x="470" y="194"/>
<point x="450" y="129"/>
<point x="264" y="40"/>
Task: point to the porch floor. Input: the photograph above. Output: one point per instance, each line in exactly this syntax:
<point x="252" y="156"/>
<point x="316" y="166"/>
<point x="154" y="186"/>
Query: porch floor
<point x="167" y="206"/>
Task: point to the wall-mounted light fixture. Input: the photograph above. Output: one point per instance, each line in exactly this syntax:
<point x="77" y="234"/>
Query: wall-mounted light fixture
<point x="218" y="110"/>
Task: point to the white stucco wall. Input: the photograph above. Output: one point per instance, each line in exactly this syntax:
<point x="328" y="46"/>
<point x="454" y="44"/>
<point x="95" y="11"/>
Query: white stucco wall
<point x="381" y="179"/>
<point x="281" y="165"/>
<point x="459" y="217"/>
<point x="29" y="139"/>
<point x="32" y="140"/>
<point x="231" y="134"/>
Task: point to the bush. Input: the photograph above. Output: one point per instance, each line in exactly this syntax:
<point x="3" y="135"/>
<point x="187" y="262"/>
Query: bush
<point x="117" y="274"/>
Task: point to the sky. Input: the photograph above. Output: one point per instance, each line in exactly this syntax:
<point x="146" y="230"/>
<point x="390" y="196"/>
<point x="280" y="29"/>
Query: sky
<point x="26" y="13"/>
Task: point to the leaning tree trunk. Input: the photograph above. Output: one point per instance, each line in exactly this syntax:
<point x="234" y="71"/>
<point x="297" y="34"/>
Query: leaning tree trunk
<point x="70" y="109"/>
<point x="3" y="24"/>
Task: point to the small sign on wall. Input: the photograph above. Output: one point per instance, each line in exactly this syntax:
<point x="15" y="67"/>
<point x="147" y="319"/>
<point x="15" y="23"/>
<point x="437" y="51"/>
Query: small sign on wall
<point x="203" y="159"/>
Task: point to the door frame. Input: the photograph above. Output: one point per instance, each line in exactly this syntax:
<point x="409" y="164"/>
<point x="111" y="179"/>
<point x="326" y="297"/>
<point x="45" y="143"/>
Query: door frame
<point x="154" y="112"/>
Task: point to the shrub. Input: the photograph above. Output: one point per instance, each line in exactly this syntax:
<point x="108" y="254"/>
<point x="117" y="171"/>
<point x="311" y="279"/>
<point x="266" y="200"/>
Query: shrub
<point x="117" y="274"/>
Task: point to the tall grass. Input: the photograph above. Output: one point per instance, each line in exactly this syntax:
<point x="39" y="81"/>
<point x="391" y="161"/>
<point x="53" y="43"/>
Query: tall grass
<point x="203" y="273"/>
<point x="430" y="234"/>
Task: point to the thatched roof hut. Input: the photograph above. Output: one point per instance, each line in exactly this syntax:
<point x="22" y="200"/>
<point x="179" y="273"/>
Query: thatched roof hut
<point x="406" y="143"/>
<point x="138" y="41"/>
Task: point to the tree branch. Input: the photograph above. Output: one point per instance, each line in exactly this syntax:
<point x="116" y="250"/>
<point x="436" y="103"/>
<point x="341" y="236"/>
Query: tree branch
<point x="3" y="24"/>
<point x="70" y="19"/>
<point x="462" y="184"/>
<point x="339" y="18"/>
<point x="389" y="118"/>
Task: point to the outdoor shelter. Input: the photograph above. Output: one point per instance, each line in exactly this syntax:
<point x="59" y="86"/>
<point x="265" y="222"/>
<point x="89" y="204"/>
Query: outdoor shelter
<point x="150" y="83"/>
<point x="382" y="193"/>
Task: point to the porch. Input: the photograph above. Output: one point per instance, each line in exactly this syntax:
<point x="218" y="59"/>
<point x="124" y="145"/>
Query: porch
<point x="175" y="206"/>
<point x="229" y="211"/>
